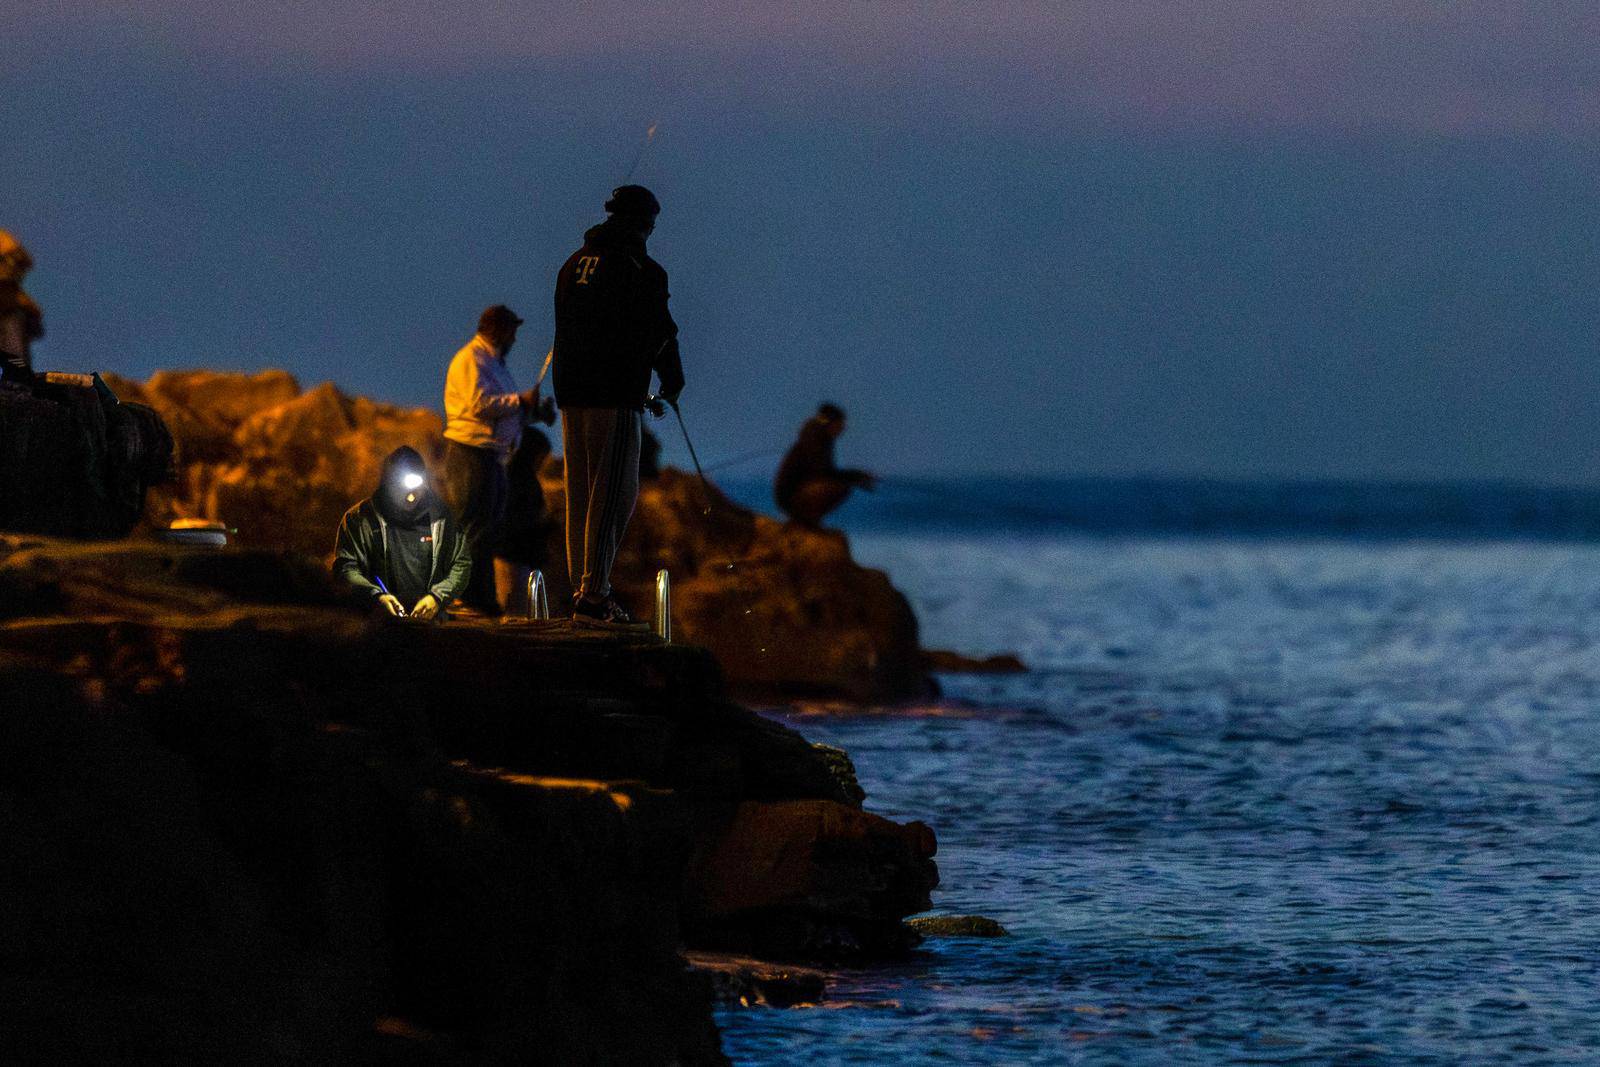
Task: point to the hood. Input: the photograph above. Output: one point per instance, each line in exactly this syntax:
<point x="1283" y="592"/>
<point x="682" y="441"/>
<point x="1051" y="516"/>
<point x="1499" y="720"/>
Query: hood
<point x="611" y="234"/>
<point x="390" y="498"/>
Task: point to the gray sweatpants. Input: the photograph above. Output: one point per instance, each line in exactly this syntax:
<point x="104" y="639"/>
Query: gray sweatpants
<point x="602" y="453"/>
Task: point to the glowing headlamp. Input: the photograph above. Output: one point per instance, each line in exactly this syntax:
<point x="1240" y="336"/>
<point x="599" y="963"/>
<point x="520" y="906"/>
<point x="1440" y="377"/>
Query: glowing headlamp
<point x="411" y="480"/>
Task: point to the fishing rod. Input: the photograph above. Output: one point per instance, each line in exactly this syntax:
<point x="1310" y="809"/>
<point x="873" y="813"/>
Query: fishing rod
<point x="649" y="136"/>
<point x="657" y="406"/>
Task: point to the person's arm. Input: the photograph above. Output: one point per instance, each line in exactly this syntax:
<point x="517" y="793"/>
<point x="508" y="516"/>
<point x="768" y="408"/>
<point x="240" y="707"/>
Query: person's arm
<point x="865" y="479"/>
<point x="661" y="332"/>
<point x="457" y="565"/>
<point x="669" y="370"/>
<point x="350" y="560"/>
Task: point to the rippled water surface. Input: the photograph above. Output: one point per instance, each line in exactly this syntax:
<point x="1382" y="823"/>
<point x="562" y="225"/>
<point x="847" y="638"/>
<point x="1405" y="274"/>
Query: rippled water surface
<point x="1259" y="802"/>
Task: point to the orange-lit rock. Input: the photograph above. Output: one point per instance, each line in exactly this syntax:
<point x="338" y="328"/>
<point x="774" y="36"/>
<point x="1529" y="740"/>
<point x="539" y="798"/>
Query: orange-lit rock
<point x="786" y="610"/>
<point x="278" y="464"/>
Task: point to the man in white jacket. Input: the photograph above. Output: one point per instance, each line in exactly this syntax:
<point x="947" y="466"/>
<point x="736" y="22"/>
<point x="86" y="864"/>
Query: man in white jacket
<point x="484" y="418"/>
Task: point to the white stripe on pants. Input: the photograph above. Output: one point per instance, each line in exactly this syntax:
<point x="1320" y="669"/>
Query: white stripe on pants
<point x="602" y="461"/>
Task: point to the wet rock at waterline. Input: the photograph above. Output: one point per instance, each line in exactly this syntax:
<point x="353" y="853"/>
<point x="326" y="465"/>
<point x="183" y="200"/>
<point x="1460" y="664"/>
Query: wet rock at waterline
<point x="747" y="982"/>
<point x="957" y="926"/>
<point x="843" y="770"/>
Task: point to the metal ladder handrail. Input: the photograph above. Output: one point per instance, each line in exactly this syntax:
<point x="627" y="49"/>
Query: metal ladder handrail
<point x="664" y="605"/>
<point x="538" y="600"/>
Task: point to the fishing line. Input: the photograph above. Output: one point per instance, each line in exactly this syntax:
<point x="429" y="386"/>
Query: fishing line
<point x="649" y="136"/>
<point x="742" y="458"/>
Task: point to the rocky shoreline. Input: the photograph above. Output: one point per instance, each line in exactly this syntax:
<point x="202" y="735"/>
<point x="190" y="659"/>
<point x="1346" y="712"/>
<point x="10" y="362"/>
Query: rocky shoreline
<point x="243" y="822"/>
<point x="786" y="611"/>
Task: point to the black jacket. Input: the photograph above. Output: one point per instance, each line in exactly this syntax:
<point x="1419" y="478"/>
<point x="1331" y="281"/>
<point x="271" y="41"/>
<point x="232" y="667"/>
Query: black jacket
<point x="612" y="324"/>
<point x="361" y="551"/>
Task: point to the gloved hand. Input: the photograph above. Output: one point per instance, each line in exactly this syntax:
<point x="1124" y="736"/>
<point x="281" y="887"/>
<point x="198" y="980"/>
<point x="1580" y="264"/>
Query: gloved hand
<point x="393" y="606"/>
<point x="425" y="609"/>
<point x="655" y="406"/>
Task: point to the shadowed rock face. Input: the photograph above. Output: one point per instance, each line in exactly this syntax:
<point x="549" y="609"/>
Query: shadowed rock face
<point x="786" y="611"/>
<point x="810" y="879"/>
<point x="239" y="822"/>
<point x="228" y="834"/>
<point x="74" y="466"/>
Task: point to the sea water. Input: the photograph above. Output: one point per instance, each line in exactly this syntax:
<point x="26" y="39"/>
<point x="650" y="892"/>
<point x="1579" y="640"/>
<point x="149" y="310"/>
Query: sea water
<point x="1259" y="800"/>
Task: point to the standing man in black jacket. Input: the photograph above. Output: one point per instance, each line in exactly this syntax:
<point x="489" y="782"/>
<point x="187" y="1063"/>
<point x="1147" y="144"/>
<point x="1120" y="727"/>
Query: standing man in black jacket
<point x="612" y="330"/>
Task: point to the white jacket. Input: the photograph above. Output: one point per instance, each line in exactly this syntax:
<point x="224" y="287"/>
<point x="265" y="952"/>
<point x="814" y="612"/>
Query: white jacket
<point x="481" y="407"/>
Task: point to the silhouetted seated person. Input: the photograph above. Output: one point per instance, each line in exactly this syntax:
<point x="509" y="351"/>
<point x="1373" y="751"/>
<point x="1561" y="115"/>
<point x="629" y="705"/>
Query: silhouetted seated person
<point x="401" y="547"/>
<point x="810" y="484"/>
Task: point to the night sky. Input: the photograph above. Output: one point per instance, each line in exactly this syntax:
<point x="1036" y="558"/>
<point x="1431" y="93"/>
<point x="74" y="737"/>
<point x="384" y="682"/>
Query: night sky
<point x="1221" y="239"/>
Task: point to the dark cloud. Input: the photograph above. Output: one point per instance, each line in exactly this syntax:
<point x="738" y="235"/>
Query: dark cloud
<point x="1450" y="67"/>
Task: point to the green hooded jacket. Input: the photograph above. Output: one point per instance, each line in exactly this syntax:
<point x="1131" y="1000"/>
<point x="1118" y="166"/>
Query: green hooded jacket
<point x="361" y="551"/>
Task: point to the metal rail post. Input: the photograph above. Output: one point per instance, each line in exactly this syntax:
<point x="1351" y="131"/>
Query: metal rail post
<point x="538" y="602"/>
<point x="664" y="606"/>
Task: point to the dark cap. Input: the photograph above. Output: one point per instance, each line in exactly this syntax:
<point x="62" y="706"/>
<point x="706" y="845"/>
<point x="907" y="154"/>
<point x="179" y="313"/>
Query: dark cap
<point x="633" y="200"/>
<point x="498" y="317"/>
<point x="830" y="412"/>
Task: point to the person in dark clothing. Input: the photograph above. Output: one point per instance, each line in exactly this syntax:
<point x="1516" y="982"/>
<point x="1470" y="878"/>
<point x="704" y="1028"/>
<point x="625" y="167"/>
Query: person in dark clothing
<point x="528" y="524"/>
<point x="810" y="484"/>
<point x="401" y="548"/>
<point x="613" y="330"/>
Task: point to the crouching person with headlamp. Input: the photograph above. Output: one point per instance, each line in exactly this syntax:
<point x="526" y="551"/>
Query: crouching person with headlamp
<point x="401" y="547"/>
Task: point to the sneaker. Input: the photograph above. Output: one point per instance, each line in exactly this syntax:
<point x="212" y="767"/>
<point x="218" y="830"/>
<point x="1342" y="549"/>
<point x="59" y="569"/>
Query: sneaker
<point x="608" y="612"/>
